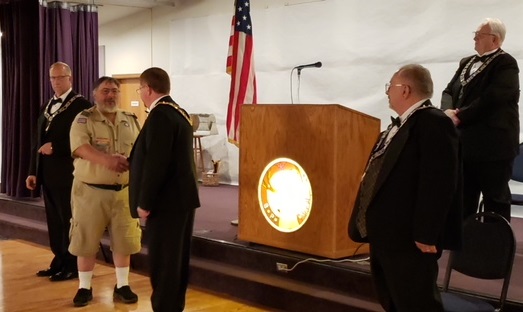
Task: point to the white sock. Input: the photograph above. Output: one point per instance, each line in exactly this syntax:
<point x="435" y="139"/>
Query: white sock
<point x="122" y="276"/>
<point x="85" y="279"/>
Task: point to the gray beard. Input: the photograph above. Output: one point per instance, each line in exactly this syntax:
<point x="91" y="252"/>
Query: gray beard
<point x="107" y="109"/>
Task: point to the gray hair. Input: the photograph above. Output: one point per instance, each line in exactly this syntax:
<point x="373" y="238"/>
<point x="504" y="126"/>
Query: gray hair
<point x="63" y="65"/>
<point x="497" y="28"/>
<point x="419" y="79"/>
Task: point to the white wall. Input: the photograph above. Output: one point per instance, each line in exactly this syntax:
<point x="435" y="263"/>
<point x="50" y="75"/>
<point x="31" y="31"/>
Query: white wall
<point x="361" y="44"/>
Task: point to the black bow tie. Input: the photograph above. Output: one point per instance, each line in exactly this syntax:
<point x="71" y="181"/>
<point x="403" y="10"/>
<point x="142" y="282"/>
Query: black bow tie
<point x="395" y="121"/>
<point x="55" y="101"/>
<point x="482" y="58"/>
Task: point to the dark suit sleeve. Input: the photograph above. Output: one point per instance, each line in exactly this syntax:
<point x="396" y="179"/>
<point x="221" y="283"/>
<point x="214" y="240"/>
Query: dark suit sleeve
<point x="439" y="169"/>
<point x="61" y="143"/>
<point x="448" y="96"/>
<point x="159" y="139"/>
<point x="503" y="83"/>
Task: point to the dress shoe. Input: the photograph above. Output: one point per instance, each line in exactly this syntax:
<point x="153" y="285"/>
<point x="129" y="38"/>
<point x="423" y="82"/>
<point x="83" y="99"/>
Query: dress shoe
<point x="82" y="297"/>
<point x="47" y="272"/>
<point x="63" y="276"/>
<point x="124" y="294"/>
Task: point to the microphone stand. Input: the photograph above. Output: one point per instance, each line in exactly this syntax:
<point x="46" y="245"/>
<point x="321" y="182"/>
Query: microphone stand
<point x="299" y="83"/>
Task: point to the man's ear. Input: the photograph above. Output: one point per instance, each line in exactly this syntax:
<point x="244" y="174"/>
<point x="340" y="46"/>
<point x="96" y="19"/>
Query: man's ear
<point x="407" y="91"/>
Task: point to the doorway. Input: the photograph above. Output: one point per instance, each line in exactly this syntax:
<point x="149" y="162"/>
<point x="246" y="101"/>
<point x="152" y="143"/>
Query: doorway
<point x="129" y="99"/>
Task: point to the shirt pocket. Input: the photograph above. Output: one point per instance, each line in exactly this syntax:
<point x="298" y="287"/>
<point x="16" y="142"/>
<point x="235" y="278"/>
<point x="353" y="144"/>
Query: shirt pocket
<point x="102" y="144"/>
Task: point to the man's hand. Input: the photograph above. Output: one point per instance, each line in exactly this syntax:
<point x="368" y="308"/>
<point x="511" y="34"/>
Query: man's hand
<point x="117" y="162"/>
<point x="30" y="182"/>
<point x="143" y="214"/>
<point x="426" y="248"/>
<point x="452" y="114"/>
<point x="46" y="149"/>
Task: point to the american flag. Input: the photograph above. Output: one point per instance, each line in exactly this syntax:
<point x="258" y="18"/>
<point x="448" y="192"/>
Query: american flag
<point x="240" y="65"/>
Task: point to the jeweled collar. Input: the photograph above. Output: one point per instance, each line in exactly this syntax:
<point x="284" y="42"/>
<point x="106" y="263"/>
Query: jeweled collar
<point x="50" y="117"/>
<point x="473" y="60"/>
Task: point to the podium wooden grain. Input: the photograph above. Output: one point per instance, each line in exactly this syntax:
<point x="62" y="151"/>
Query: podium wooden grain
<point x="332" y="144"/>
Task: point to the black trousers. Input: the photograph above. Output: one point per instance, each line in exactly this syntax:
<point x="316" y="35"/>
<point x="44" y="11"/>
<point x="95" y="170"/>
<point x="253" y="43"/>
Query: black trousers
<point x="57" y="202"/>
<point x="169" y="248"/>
<point x="405" y="280"/>
<point x="489" y="178"/>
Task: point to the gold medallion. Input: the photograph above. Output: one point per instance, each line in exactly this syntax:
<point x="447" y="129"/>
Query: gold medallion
<point x="285" y="195"/>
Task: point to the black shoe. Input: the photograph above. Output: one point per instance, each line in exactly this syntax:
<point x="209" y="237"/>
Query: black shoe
<point x="47" y="272"/>
<point x="63" y="276"/>
<point x="82" y="297"/>
<point x="124" y="294"/>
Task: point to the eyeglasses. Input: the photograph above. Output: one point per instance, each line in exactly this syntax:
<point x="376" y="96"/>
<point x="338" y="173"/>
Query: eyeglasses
<point x="58" y="77"/>
<point x="140" y="88"/>
<point x="108" y="91"/>
<point x="388" y="85"/>
<point x="477" y="33"/>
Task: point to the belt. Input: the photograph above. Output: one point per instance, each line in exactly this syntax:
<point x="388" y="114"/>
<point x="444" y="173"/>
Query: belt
<point x="111" y="187"/>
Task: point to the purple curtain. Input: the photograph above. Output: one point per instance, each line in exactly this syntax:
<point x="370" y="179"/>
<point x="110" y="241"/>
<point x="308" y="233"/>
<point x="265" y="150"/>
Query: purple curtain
<point x="69" y="33"/>
<point x="35" y="35"/>
<point x="20" y="91"/>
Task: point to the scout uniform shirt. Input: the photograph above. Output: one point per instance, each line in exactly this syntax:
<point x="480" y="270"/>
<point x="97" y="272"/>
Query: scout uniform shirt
<point x="93" y="128"/>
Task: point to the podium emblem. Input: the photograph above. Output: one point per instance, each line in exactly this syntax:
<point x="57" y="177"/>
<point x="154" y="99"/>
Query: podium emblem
<point x="285" y="195"/>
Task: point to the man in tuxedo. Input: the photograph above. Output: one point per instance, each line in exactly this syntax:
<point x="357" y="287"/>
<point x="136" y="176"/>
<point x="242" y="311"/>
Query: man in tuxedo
<point x="51" y="167"/>
<point x="482" y="101"/>
<point x="408" y="204"/>
<point x="163" y="189"/>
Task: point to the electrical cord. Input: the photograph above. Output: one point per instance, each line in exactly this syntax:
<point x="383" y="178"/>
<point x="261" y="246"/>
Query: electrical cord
<point x="327" y="260"/>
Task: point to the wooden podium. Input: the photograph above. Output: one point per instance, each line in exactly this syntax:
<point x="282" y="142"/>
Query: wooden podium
<point x="332" y="144"/>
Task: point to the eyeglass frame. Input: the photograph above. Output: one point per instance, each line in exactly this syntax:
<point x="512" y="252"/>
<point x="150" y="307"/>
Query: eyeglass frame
<point x="106" y="91"/>
<point x="139" y="89"/>
<point x="59" y="77"/>
<point x="477" y="33"/>
<point x="388" y="85"/>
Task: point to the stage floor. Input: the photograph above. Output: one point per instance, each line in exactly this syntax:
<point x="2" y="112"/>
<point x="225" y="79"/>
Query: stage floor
<point x="216" y="237"/>
<point x="219" y="205"/>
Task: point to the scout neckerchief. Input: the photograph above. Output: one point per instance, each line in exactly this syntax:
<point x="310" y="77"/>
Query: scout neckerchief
<point x="179" y="109"/>
<point x="50" y="117"/>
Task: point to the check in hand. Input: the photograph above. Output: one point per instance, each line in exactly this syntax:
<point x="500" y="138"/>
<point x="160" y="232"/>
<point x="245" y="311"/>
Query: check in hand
<point x="118" y="163"/>
<point x="426" y="248"/>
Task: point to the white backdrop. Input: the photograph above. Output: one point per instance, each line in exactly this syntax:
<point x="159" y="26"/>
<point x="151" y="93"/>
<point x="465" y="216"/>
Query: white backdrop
<point x="360" y="43"/>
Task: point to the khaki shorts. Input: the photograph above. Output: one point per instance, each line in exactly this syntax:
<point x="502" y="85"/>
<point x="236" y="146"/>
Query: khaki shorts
<point x="93" y="211"/>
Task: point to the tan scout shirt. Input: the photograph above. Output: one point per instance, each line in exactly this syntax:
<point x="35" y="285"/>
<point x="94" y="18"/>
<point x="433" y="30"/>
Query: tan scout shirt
<point x="91" y="127"/>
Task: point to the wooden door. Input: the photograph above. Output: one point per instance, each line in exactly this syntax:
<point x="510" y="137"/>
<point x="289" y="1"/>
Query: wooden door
<point x="130" y="100"/>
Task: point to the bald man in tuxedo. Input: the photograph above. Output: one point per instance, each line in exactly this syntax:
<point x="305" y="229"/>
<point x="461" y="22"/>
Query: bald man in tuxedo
<point x="408" y="204"/>
<point x="51" y="167"/>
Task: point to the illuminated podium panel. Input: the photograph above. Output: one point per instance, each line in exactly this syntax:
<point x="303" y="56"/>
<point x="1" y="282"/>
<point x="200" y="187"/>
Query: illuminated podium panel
<point x="300" y="169"/>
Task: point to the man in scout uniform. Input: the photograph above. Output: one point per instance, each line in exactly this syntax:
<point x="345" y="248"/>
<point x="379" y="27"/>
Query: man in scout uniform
<point x="101" y="140"/>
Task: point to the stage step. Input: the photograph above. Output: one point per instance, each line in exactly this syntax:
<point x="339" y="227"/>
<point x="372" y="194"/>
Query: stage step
<point x="272" y="291"/>
<point x="338" y="277"/>
<point x="239" y="269"/>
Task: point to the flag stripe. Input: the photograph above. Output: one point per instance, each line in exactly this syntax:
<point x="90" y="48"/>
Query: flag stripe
<point x="240" y="65"/>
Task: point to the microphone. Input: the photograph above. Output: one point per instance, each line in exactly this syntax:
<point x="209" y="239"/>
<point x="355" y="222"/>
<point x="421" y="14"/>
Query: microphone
<point x="317" y="64"/>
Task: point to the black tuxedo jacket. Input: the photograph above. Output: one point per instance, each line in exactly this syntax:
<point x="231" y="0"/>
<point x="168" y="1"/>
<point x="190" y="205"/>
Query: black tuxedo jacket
<point x="488" y="109"/>
<point x="57" y="168"/>
<point x="417" y="196"/>
<point x="162" y="172"/>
